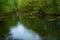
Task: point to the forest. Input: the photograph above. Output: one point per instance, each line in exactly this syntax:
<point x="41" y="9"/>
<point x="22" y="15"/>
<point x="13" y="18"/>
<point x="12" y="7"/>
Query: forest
<point x="42" y="16"/>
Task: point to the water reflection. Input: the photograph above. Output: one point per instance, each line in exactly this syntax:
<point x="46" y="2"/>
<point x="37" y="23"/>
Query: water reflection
<point x="19" y="32"/>
<point x="48" y="30"/>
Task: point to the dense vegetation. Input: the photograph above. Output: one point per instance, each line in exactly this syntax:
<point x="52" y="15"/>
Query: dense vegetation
<point x="35" y="14"/>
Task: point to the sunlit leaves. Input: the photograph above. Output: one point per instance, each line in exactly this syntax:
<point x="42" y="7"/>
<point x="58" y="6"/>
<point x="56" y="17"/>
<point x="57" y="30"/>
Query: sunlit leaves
<point x="8" y="5"/>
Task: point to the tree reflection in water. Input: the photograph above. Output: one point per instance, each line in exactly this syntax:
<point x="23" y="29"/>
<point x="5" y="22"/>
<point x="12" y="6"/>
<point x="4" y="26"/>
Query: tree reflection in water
<point x="45" y="30"/>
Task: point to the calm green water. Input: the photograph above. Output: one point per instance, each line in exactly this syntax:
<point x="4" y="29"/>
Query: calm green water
<point x="30" y="29"/>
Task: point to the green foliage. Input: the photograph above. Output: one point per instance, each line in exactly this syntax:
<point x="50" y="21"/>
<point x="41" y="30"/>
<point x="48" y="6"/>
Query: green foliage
<point x="6" y="5"/>
<point x="29" y="11"/>
<point x="49" y="6"/>
<point x="7" y="16"/>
